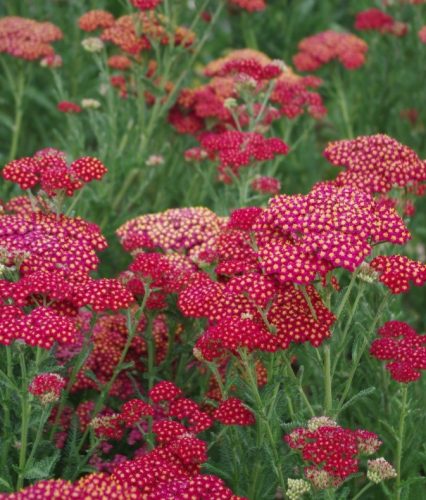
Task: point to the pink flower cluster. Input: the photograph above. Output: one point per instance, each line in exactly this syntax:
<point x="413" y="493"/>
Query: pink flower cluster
<point x="375" y="163"/>
<point x="320" y="49"/>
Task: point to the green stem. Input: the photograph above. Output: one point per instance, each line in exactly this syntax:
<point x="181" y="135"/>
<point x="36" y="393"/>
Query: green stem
<point x="25" y="420"/>
<point x="345" y="297"/>
<point x="299" y="385"/>
<point x="356" y="361"/>
<point x="363" y="490"/>
<point x="400" y="444"/>
<point x="77" y="366"/>
<point x="348" y="324"/>
<point x="18" y="92"/>
<point x="43" y="418"/>
<point x="6" y="408"/>
<point x="341" y="97"/>
<point x="328" y="396"/>
<point x="263" y="420"/>
<point x="151" y="352"/>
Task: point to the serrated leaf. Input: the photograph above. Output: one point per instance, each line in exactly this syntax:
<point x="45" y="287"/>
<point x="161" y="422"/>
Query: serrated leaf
<point x="360" y="395"/>
<point x="41" y="469"/>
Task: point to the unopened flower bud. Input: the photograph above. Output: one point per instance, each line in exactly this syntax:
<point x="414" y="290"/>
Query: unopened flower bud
<point x="379" y="470"/>
<point x="154" y="160"/>
<point x="317" y="422"/>
<point x="92" y="44"/>
<point x="90" y="104"/>
<point x="366" y="273"/>
<point x="297" y="488"/>
<point x="230" y="103"/>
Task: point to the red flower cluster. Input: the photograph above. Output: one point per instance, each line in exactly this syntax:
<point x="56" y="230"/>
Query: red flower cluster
<point x="109" y="337"/>
<point x="234" y="75"/>
<point x="236" y="149"/>
<point x="52" y="255"/>
<point x="396" y="272"/>
<point x="69" y="107"/>
<point x="42" y="327"/>
<point x="332" y="450"/>
<point x="266" y="185"/>
<point x="249" y="5"/>
<point x="320" y="49"/>
<point x="27" y="39"/>
<point x="171" y="469"/>
<point x="49" y="169"/>
<point x="404" y="347"/>
<point x="375" y="163"/>
<point x="292" y="94"/>
<point x="133" y="33"/>
<point x="422" y="34"/>
<point x="232" y="412"/>
<point x="377" y="20"/>
<point x="119" y="62"/>
<point x="145" y="4"/>
<point x="250" y="67"/>
<point x="97" y="485"/>
<point x="47" y="387"/>
<point x="96" y="19"/>
<point x="164" y="274"/>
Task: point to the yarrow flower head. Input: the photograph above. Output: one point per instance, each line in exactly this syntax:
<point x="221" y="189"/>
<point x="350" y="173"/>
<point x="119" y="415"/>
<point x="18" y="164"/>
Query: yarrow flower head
<point x="51" y="61"/>
<point x="404" y="348"/>
<point x="331" y="453"/>
<point x="301" y="236"/>
<point x="380" y="470"/>
<point x="396" y="272"/>
<point x="68" y="107"/>
<point x="422" y="34"/>
<point x="145" y="4"/>
<point x="248" y="5"/>
<point x="377" y="20"/>
<point x="49" y="169"/>
<point x="236" y="149"/>
<point x="95" y="19"/>
<point x="107" y="426"/>
<point x="297" y="488"/>
<point x="375" y="163"/>
<point x="233" y="412"/>
<point x="90" y="104"/>
<point x="154" y="160"/>
<point x="47" y="387"/>
<point x="134" y="410"/>
<point x="92" y="44"/>
<point x="192" y="231"/>
<point x="266" y="185"/>
<point x="320" y="49"/>
<point x="27" y="39"/>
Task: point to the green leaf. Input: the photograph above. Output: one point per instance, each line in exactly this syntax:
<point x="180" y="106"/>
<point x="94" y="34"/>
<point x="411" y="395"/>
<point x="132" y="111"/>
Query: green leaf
<point x="360" y="395"/>
<point x="42" y="469"/>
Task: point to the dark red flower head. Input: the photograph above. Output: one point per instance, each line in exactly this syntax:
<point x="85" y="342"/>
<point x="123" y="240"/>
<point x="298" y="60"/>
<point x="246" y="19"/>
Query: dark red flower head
<point x="404" y="348"/>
